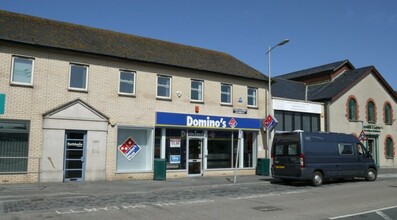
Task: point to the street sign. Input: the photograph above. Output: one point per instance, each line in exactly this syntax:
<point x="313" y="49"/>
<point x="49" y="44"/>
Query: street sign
<point x="363" y="137"/>
<point x="270" y="123"/>
<point x="129" y="148"/>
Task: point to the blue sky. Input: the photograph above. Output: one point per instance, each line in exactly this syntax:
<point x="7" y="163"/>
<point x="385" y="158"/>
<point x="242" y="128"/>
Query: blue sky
<point x="320" y="32"/>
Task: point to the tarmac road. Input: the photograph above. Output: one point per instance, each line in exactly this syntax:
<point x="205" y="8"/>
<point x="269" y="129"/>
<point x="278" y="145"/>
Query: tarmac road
<point x="253" y="197"/>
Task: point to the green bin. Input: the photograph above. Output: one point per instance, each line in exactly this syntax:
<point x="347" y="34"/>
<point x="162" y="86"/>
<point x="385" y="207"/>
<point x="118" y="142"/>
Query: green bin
<point x="263" y="167"/>
<point x="160" y="169"/>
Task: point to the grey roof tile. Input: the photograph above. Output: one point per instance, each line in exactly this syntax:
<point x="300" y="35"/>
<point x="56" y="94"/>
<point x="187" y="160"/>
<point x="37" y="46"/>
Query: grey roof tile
<point x="288" y="89"/>
<point x="345" y="81"/>
<point x="43" y="32"/>
<point x="314" y="70"/>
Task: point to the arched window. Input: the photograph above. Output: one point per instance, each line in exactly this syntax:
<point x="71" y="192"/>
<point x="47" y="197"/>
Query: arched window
<point x="371" y="112"/>
<point x="389" y="151"/>
<point x="388" y="114"/>
<point x="352" y="110"/>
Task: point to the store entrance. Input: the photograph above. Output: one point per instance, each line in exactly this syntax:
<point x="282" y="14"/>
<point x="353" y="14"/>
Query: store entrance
<point x="372" y="146"/>
<point x="195" y="159"/>
<point x="75" y="142"/>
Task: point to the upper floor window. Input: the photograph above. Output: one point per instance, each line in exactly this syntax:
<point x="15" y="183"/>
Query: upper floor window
<point x="127" y="83"/>
<point x="388" y="114"/>
<point x="252" y="97"/>
<point x="352" y="110"/>
<point x="196" y="93"/>
<point x="371" y="112"/>
<point x="78" y="77"/>
<point x="164" y="87"/>
<point x="22" y="71"/>
<point x="226" y="94"/>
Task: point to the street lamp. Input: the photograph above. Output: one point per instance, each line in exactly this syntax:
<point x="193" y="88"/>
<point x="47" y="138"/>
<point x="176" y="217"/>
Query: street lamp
<point x="269" y="99"/>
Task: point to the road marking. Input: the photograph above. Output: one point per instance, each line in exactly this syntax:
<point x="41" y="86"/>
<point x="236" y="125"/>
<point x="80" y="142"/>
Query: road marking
<point x="383" y="215"/>
<point x="363" y="213"/>
<point x="136" y="206"/>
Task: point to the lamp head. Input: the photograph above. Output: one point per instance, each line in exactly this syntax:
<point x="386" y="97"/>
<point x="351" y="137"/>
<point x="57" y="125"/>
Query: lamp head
<point x="283" y="42"/>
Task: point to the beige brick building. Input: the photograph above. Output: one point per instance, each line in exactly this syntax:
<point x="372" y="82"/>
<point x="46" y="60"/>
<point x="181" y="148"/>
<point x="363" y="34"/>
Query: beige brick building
<point x="83" y="104"/>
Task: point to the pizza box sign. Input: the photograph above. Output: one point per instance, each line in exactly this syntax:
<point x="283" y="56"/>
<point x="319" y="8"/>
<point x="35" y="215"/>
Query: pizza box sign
<point x="129" y="148"/>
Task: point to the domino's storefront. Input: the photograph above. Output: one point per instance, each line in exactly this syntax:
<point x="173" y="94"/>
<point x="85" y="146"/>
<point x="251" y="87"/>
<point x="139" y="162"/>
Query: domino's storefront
<point x="194" y="144"/>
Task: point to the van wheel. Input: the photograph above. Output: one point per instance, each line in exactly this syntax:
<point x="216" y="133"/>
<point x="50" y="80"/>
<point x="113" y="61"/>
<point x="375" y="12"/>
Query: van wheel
<point x="317" y="179"/>
<point x="371" y="175"/>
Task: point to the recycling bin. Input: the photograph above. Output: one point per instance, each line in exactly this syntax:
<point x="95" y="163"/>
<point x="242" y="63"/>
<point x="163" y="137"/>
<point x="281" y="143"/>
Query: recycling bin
<point x="160" y="169"/>
<point x="263" y="167"/>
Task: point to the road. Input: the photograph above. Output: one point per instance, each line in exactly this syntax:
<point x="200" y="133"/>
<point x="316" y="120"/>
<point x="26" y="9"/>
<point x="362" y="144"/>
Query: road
<point x="355" y="199"/>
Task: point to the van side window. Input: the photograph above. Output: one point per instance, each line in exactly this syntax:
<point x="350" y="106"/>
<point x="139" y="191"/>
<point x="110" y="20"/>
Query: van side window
<point x="345" y="149"/>
<point x="360" y="150"/>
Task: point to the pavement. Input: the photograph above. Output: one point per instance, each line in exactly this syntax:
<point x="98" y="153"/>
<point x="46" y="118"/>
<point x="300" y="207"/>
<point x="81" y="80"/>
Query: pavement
<point x="9" y="192"/>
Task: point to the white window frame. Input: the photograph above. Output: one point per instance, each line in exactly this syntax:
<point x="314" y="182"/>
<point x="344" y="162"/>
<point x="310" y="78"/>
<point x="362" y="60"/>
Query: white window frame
<point x="255" y="98"/>
<point x="133" y="83"/>
<point x="157" y="87"/>
<point x="12" y="71"/>
<point x="202" y="90"/>
<point x="231" y="94"/>
<point x="86" y="77"/>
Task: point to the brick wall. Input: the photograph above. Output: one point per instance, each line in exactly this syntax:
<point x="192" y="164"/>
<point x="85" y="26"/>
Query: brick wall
<point x="50" y="90"/>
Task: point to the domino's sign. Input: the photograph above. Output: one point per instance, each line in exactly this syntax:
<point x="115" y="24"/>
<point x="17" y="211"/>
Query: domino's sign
<point x="205" y="121"/>
<point x="129" y="148"/>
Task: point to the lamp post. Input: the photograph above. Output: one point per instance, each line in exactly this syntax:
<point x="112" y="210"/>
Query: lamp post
<point x="269" y="99"/>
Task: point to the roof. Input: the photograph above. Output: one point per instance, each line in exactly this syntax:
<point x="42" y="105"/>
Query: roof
<point x="329" y="91"/>
<point x="48" y="33"/>
<point x="345" y="81"/>
<point x="327" y="68"/>
<point x="283" y="88"/>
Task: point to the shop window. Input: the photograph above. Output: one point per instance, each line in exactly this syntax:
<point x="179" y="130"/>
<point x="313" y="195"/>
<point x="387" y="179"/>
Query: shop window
<point x="289" y="121"/>
<point x="14" y="146"/>
<point x="22" y="71"/>
<point x="252" y="97"/>
<point x="280" y="118"/>
<point x="220" y="147"/>
<point x="196" y="91"/>
<point x="127" y="83"/>
<point x="143" y="159"/>
<point x="352" y="110"/>
<point x="371" y="111"/>
<point x="223" y="149"/>
<point x="249" y="148"/>
<point x="226" y="94"/>
<point x="164" y="87"/>
<point x="387" y="114"/>
<point x="389" y="151"/>
<point x="78" y="77"/>
<point x="175" y="149"/>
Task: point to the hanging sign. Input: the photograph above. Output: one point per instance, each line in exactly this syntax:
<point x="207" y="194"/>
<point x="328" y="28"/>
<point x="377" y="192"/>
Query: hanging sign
<point x="270" y="123"/>
<point x="129" y="148"/>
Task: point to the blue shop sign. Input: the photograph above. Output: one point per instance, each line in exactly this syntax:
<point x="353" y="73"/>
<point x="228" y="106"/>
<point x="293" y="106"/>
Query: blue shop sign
<point x="206" y="121"/>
